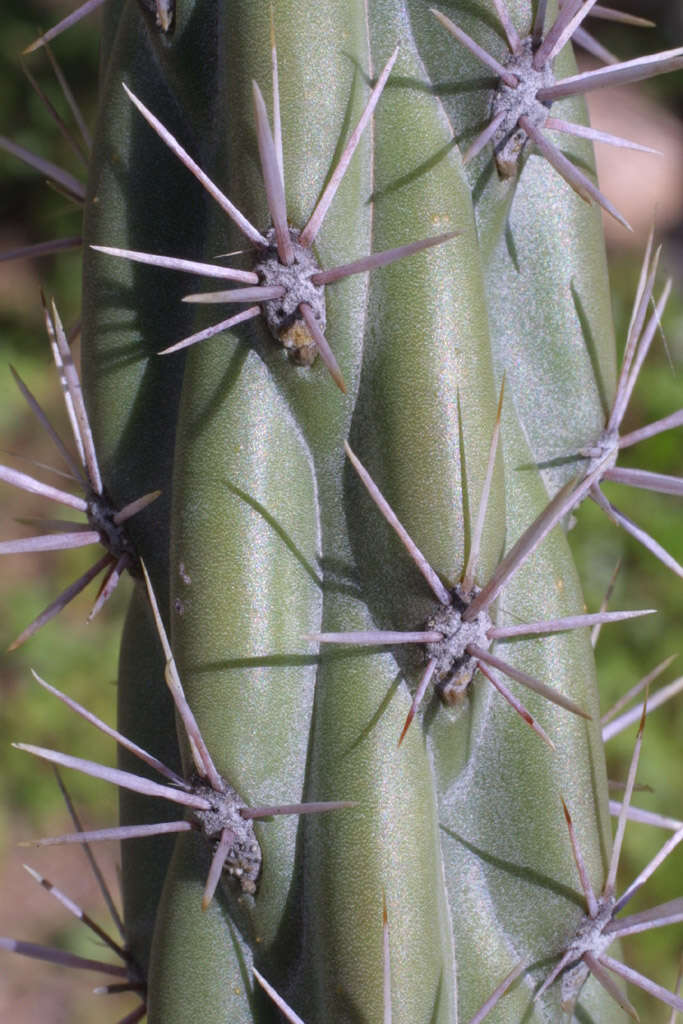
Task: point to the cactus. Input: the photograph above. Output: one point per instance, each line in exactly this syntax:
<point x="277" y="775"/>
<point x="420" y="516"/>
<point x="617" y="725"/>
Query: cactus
<point x="355" y="612"/>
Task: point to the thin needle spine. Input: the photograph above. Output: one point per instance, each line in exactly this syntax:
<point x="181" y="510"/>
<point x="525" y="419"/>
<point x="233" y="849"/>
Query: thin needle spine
<point x="587" y="953"/>
<point x="104" y="524"/>
<point x="212" y="806"/>
<point x="526" y="88"/>
<point x="456" y="639"/>
<point x="288" y="283"/>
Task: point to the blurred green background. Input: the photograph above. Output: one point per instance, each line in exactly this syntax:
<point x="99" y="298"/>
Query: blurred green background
<point x="75" y="656"/>
<point x="81" y="657"/>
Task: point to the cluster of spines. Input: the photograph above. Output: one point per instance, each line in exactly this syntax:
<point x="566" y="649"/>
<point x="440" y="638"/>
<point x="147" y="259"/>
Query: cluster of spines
<point x="527" y="90"/>
<point x="601" y="456"/>
<point x="127" y="973"/>
<point x="105" y="525"/>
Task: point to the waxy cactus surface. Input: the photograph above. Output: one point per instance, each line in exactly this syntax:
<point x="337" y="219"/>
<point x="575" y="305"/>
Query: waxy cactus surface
<point x="357" y="648"/>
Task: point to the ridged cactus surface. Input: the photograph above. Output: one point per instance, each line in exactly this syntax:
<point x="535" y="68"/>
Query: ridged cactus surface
<point x="436" y="455"/>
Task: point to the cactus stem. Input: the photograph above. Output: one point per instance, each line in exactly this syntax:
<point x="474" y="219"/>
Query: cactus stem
<point x="341" y="969"/>
<point x="386" y="963"/>
<point x="322" y="345"/>
<point x="511" y="32"/>
<point x="245" y="226"/>
<point x="515" y="704"/>
<point x="511" y="562"/>
<point x="439" y="590"/>
<point x="310" y="231"/>
<point x="216" y="808"/>
<point x="477" y="533"/>
<point x="387" y="1015"/>
<point x="294" y="314"/>
<point x="458" y="659"/>
<point x="574" y="177"/>
<point x="419" y="694"/>
<point x="498" y="993"/>
<point x="213" y="812"/>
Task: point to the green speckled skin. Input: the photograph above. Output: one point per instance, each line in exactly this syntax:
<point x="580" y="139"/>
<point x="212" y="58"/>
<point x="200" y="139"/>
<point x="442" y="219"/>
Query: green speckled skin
<point x="129" y="313"/>
<point x="273" y="537"/>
